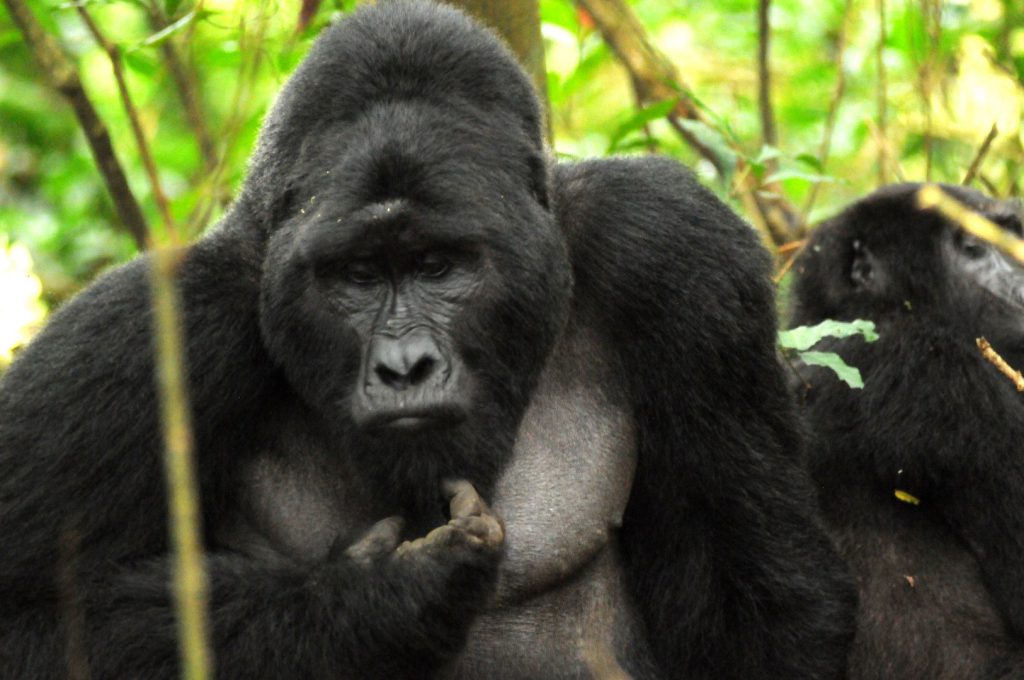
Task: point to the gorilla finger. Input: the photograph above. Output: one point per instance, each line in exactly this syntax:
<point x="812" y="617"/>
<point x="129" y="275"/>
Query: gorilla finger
<point x="487" y="528"/>
<point x="464" y="501"/>
<point x="378" y="540"/>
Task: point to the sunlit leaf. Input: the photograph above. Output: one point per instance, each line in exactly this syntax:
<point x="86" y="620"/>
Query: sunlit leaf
<point x="848" y="374"/>
<point x="639" y="119"/>
<point x="804" y="337"/>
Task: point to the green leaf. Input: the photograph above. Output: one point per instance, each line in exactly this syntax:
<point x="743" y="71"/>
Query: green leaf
<point x="803" y="338"/>
<point x="140" y="62"/>
<point x="639" y="119"/>
<point x="848" y="374"/>
<point x="715" y="141"/>
<point x="811" y="161"/>
<point x="169" y="30"/>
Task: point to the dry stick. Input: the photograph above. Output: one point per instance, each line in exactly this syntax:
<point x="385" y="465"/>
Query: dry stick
<point x="243" y="89"/>
<point x="825" y="148"/>
<point x="656" y="80"/>
<point x="133" y="116"/>
<point x="932" y="196"/>
<point x="979" y="157"/>
<point x="184" y="78"/>
<point x="993" y="357"/>
<point x="931" y="15"/>
<point x="64" y="77"/>
<point x="882" y="97"/>
<point x="769" y="134"/>
<point x="190" y="581"/>
<point x="886" y="156"/>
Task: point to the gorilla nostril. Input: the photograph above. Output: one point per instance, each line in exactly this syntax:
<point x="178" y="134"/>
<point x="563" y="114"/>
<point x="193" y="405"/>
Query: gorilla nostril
<point x="400" y="363"/>
<point x="422" y="370"/>
<point x="392" y="378"/>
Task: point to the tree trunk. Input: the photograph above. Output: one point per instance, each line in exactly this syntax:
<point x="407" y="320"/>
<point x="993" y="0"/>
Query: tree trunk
<point x="518" y="22"/>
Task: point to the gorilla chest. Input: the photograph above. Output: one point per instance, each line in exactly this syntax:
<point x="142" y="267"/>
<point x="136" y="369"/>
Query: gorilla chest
<point x="560" y="590"/>
<point x="561" y="593"/>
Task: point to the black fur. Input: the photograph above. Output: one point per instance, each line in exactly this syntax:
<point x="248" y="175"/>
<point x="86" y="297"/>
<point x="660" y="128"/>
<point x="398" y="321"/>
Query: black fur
<point x="411" y="104"/>
<point x="941" y="583"/>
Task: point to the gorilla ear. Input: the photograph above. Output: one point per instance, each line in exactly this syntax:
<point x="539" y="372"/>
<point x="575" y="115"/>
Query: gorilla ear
<point x="539" y="180"/>
<point x="864" y="272"/>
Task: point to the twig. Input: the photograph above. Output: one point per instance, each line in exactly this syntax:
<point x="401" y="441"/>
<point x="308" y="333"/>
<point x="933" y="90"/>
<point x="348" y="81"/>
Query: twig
<point x="825" y="148"/>
<point x="243" y="90"/>
<point x="932" y="16"/>
<point x="769" y="134"/>
<point x="979" y="157"/>
<point x="882" y="96"/>
<point x="64" y="77"/>
<point x="791" y="246"/>
<point x="117" y="66"/>
<point x="190" y="584"/>
<point x="993" y="357"/>
<point x="656" y="80"/>
<point x="886" y="156"/>
<point x="185" y="84"/>
<point x="932" y="196"/>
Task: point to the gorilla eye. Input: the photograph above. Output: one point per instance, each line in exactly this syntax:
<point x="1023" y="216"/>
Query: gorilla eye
<point x="360" y="272"/>
<point x="970" y="246"/>
<point x="433" y="266"/>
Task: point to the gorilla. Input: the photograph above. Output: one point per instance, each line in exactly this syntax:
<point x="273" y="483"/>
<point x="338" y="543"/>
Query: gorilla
<point x="941" y="578"/>
<point x="459" y="411"/>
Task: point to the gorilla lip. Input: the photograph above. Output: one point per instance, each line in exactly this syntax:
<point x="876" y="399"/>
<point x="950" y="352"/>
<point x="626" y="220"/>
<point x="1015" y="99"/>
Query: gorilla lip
<point x="418" y="419"/>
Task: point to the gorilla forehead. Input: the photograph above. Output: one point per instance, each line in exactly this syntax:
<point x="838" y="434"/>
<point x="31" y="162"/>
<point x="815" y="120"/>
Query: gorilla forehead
<point x="414" y="52"/>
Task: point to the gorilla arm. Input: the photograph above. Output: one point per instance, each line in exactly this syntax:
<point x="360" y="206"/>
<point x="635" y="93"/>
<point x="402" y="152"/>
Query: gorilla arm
<point x="80" y="453"/>
<point x="968" y="474"/>
<point x="732" y="576"/>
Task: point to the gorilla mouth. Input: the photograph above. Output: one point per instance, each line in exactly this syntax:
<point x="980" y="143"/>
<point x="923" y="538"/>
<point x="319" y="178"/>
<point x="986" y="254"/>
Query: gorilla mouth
<point x="441" y="416"/>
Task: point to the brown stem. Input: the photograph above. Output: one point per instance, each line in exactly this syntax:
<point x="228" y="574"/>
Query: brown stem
<point x="117" y="65"/>
<point x="825" y="149"/>
<point x="64" y="77"/>
<point x="656" y="80"/>
<point x="184" y="78"/>
<point x="882" y="98"/>
<point x="979" y="157"/>
<point x="769" y="133"/>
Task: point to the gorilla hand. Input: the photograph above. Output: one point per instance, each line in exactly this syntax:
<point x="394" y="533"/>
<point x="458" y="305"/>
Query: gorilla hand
<point x="473" y="527"/>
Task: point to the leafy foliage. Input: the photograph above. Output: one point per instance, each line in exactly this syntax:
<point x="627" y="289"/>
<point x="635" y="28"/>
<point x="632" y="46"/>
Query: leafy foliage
<point x="946" y="85"/>
<point x="799" y="341"/>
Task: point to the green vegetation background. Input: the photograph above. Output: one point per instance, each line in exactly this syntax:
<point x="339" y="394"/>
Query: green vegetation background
<point x="951" y="70"/>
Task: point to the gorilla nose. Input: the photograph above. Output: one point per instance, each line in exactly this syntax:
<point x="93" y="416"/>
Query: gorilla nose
<point x="408" y="361"/>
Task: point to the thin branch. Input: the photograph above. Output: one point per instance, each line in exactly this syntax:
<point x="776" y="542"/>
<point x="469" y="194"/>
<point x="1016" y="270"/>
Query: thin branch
<point x="882" y="97"/>
<point x="244" y="84"/>
<point x="656" y="80"/>
<point x="885" y="155"/>
<point x="117" y="65"/>
<point x="993" y="357"/>
<point x="932" y="196"/>
<point x="825" y="148"/>
<point x="769" y="134"/>
<point x="184" y="78"/>
<point x="190" y="581"/>
<point x="931" y="14"/>
<point x="979" y="157"/>
<point x="65" y="79"/>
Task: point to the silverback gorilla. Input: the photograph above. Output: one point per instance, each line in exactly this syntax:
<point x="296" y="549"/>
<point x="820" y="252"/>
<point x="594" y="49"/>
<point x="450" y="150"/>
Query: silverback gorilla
<point x="408" y="311"/>
<point x="941" y="583"/>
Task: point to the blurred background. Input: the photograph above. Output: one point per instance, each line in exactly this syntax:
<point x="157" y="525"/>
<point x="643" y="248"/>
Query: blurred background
<point x="788" y="109"/>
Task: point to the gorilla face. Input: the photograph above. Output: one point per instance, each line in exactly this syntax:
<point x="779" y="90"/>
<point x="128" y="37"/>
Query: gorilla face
<point x="885" y="259"/>
<point x="416" y="284"/>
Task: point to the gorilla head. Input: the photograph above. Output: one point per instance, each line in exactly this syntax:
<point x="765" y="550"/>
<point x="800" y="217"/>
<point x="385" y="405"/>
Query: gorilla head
<point x="886" y="259"/>
<point x="415" y="280"/>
